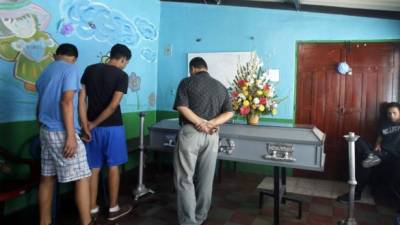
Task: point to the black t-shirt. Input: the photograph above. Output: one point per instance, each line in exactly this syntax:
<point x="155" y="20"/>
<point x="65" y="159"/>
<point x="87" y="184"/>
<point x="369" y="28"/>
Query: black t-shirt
<point x="101" y="82"/>
<point x="390" y="133"/>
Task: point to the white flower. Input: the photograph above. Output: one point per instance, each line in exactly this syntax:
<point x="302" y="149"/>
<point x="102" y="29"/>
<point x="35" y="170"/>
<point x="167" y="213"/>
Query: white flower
<point x="241" y="96"/>
<point x="256" y="101"/>
<point x="270" y="94"/>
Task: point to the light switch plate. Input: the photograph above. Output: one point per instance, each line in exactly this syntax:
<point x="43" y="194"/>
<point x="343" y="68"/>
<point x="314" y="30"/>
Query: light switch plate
<point x="168" y="50"/>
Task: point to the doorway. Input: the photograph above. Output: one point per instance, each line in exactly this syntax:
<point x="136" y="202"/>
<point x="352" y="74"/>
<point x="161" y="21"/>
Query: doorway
<point x="338" y="104"/>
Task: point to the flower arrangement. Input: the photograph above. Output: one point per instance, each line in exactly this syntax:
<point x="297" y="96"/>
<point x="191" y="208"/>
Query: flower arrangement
<point x="252" y="93"/>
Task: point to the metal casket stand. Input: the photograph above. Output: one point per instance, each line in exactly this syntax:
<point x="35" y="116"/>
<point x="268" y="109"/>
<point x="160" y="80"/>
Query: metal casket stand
<point x="141" y="189"/>
<point x="351" y="139"/>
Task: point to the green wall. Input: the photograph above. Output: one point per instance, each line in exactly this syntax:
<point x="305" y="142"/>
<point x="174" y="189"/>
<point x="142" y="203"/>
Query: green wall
<point x="132" y="123"/>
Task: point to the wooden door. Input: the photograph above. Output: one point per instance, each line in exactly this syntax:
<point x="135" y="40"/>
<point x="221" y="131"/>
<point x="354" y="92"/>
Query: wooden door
<point x="338" y="104"/>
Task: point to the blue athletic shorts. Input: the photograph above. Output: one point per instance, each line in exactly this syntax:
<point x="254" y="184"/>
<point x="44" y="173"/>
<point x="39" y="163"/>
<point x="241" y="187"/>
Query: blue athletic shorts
<point x="107" y="147"/>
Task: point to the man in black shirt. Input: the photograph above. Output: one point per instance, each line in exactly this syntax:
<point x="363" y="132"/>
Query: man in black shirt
<point x="104" y="85"/>
<point x="203" y="104"/>
<point x="385" y="153"/>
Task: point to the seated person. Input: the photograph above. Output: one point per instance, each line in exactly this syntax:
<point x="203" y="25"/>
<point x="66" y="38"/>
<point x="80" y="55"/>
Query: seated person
<point x="385" y="154"/>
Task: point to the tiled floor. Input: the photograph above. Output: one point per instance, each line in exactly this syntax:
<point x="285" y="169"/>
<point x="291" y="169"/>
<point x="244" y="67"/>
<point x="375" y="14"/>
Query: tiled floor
<point x="315" y="187"/>
<point x="235" y="202"/>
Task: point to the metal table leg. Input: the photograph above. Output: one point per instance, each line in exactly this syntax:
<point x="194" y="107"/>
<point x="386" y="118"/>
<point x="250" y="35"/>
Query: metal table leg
<point x="277" y="194"/>
<point x="219" y="171"/>
<point x="283" y="183"/>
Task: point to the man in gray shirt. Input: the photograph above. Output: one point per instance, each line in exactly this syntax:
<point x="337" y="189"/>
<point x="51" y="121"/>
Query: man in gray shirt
<point x="203" y="104"/>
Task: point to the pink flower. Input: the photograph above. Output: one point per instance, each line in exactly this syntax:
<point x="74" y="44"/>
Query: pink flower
<point x="263" y="101"/>
<point x="235" y="94"/>
<point x="244" y="111"/>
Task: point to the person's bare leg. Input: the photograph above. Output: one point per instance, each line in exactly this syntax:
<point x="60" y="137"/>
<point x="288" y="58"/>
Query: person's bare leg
<point x="82" y="199"/>
<point x="46" y="188"/>
<point x="113" y="185"/>
<point x="94" y="184"/>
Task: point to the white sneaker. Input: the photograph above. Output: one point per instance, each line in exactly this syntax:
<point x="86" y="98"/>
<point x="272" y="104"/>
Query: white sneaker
<point x="371" y="160"/>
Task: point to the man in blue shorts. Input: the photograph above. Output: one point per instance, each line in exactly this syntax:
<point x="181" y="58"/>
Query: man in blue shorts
<point x="103" y="86"/>
<point x="63" y="153"/>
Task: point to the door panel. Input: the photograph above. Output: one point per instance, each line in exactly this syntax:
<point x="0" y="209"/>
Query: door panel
<point x="371" y="55"/>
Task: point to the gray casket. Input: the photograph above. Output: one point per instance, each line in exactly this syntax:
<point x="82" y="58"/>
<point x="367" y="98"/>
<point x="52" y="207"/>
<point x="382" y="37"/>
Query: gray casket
<point x="283" y="145"/>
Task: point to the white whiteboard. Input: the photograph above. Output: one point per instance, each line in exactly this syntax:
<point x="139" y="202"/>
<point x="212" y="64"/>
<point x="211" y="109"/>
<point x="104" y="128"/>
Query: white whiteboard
<point x="222" y="65"/>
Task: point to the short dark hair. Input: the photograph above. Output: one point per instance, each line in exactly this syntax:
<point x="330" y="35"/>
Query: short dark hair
<point x="393" y="105"/>
<point x="120" y="51"/>
<point x="198" y="62"/>
<point x="67" y="49"/>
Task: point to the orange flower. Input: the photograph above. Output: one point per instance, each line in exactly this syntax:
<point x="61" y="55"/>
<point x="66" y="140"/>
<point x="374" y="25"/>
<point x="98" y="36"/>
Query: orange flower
<point x="266" y="87"/>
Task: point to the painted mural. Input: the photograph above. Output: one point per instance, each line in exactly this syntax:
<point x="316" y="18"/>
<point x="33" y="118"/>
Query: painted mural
<point x="148" y="55"/>
<point x="146" y="29"/>
<point x="93" y="20"/>
<point x="152" y="99"/>
<point x="29" y="34"/>
<point x="23" y="40"/>
<point x="134" y="86"/>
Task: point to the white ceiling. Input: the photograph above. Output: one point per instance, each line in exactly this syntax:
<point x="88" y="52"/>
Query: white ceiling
<point x="386" y="5"/>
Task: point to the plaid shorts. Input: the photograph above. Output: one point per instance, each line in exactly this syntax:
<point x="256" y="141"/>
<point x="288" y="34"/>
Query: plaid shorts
<point x="53" y="161"/>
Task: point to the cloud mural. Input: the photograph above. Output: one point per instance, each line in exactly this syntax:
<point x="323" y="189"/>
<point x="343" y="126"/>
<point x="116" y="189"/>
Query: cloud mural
<point x="146" y="29"/>
<point x="93" y="20"/>
<point x="148" y="55"/>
